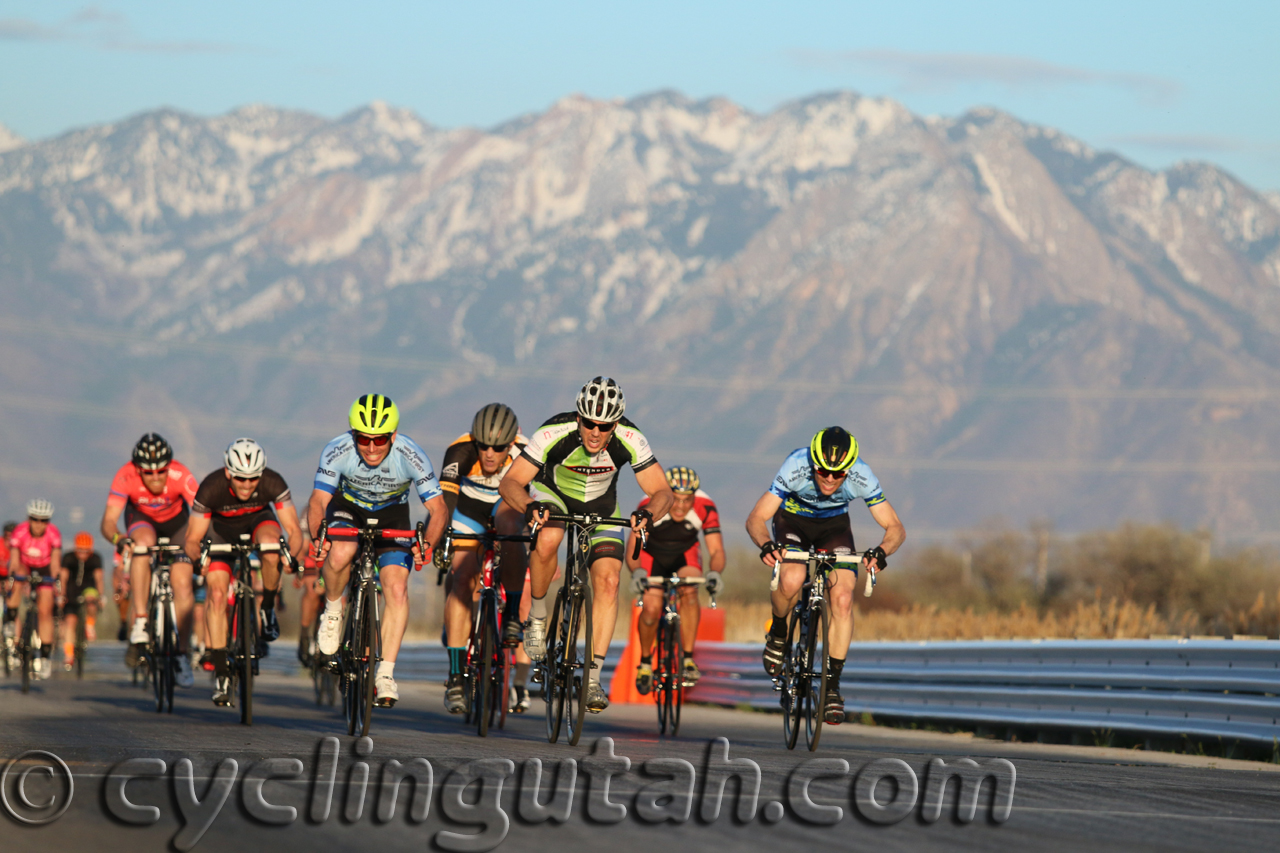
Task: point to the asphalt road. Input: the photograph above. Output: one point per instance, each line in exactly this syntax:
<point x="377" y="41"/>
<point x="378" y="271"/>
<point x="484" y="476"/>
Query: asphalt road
<point x="1064" y="798"/>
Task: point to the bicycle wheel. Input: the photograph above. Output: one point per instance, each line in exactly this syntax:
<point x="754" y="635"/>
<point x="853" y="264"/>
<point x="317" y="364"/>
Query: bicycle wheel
<point x="350" y="670"/>
<point x="792" y="677"/>
<point x="483" y="701"/>
<point x="170" y="658"/>
<point x="552" y="686"/>
<point x="815" y="709"/>
<point x="675" y="693"/>
<point x="26" y="652"/>
<point x="373" y="654"/>
<point x="82" y="642"/>
<point x="247" y="637"/>
<point x="660" y="679"/>
<point x="578" y="670"/>
<point x="504" y="679"/>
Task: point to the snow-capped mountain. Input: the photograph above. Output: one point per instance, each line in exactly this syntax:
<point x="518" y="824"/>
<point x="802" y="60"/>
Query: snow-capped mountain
<point x="1012" y="322"/>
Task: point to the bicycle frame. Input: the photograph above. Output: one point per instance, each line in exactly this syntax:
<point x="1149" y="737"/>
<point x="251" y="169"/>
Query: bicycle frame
<point x="162" y="620"/>
<point x="668" y="675"/>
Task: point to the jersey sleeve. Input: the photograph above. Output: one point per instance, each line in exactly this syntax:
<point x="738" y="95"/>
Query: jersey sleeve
<point x="327" y="476"/>
<point x="865" y="483"/>
<point x="710" y="517"/>
<point x="540" y="445"/>
<point x="457" y="462"/>
<point x="187" y="483"/>
<point x="201" y="504"/>
<point x="119" y="494"/>
<point x="781" y="485"/>
<point x="637" y="446"/>
<point x="275" y="484"/>
<point x="417" y="467"/>
<point x="69" y="561"/>
<point x="55" y="537"/>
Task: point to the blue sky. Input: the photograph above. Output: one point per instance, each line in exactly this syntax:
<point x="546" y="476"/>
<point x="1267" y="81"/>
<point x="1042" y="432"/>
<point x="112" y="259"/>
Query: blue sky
<point x="1157" y="81"/>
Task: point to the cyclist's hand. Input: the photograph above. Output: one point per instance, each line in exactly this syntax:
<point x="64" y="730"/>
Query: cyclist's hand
<point x="640" y="519"/>
<point x="420" y="559"/>
<point x="320" y="550"/>
<point x="876" y="555"/>
<point x="639" y="581"/>
<point x="714" y="583"/>
<point x="537" y="512"/>
<point x="770" y="553"/>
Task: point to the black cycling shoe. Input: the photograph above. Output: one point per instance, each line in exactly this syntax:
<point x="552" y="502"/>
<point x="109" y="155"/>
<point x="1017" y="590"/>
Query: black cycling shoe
<point x="512" y="634"/>
<point x="833" y="707"/>
<point x="270" y="625"/>
<point x="775" y="650"/>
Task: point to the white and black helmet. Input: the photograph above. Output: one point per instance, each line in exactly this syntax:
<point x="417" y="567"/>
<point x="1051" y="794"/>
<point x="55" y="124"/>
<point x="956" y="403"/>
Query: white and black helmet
<point x="40" y="509"/>
<point x="245" y="458"/>
<point x="494" y="425"/>
<point x="601" y="400"/>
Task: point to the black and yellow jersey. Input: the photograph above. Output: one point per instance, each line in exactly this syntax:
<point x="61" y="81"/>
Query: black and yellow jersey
<point x="464" y="485"/>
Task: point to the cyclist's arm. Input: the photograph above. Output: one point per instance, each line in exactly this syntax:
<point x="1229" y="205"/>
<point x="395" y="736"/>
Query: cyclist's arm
<point x="654" y="482"/>
<point x="437" y="518"/>
<point x="197" y="527"/>
<point x="64" y="576"/>
<point x="55" y="559"/>
<point x="15" y="563"/>
<point x="715" y="549"/>
<point x="99" y="582"/>
<point x="316" y="509"/>
<point x="758" y="520"/>
<point x="894" y="533"/>
<point x="514" y="487"/>
<point x="287" y="514"/>
<point x="632" y="564"/>
<point x="110" y="516"/>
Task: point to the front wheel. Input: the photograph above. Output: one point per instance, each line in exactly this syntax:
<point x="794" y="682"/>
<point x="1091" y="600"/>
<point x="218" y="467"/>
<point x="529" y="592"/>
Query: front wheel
<point x="26" y="654"/>
<point x="248" y="638"/>
<point x="817" y="657"/>
<point x="793" y="681"/>
<point x="577" y="669"/>
<point x="374" y="651"/>
<point x="552" y="684"/>
<point x="672" y="691"/>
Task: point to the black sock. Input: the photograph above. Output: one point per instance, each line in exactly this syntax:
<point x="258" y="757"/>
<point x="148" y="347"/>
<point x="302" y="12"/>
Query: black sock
<point x="269" y="600"/>
<point x="778" y="627"/>
<point x="219" y="658"/>
<point x="456" y="653"/>
<point x="647" y="660"/>
<point x="512" y="611"/>
<point x="835" y="666"/>
<point x="45" y="651"/>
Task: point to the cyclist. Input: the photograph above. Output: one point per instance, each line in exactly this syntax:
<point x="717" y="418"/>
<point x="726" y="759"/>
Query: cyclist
<point x="35" y="547"/>
<point x="154" y="492"/>
<point x="571" y="465"/>
<point x="808" y="503"/>
<point x="120" y="587"/>
<point x="243" y="496"/>
<point x="367" y="473"/>
<point x="309" y="602"/>
<point x="672" y="550"/>
<point x="473" y="466"/>
<point x="81" y="577"/>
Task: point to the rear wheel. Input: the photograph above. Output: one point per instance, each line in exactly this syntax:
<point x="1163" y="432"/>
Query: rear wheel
<point x="577" y="668"/>
<point x="817" y="658"/>
<point x="248" y="638"/>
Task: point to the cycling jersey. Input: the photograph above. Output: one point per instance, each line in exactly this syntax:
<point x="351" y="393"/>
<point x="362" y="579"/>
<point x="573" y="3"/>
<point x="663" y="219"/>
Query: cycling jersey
<point x="127" y="489"/>
<point x="799" y="491"/>
<point x="215" y="496"/>
<point x="672" y="541"/>
<point x="585" y="482"/>
<point x="466" y="488"/>
<point x="80" y="575"/>
<point x="343" y="472"/>
<point x="4" y="558"/>
<point x="35" y="553"/>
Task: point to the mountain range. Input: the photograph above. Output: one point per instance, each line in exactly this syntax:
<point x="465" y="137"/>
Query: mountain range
<point x="1013" y="323"/>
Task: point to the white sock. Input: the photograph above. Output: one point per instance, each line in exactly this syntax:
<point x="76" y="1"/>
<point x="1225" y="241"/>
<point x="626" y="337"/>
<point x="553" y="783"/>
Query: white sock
<point x="387" y="668"/>
<point x="334" y="607"/>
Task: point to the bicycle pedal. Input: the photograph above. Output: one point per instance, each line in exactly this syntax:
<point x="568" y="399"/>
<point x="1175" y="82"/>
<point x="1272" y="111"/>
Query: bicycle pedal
<point x="385" y="703"/>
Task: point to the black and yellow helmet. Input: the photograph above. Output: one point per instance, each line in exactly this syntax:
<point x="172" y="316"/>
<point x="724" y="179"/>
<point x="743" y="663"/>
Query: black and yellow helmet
<point x="683" y="481"/>
<point x="833" y="449"/>
<point x="374" y="414"/>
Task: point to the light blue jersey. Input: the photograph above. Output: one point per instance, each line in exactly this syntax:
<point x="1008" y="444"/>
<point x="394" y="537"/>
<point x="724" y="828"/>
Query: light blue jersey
<point x="800" y="496"/>
<point x="343" y="472"/>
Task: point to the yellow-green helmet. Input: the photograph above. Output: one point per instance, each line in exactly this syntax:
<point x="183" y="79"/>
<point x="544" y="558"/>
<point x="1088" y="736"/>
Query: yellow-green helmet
<point x="374" y="414"/>
<point x="833" y="449"/>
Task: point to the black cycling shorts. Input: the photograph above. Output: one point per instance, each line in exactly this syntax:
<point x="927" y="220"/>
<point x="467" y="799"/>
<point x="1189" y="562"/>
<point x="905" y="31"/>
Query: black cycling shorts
<point x="833" y="534"/>
<point x="228" y="529"/>
<point x="343" y="513"/>
<point x="175" y="529"/>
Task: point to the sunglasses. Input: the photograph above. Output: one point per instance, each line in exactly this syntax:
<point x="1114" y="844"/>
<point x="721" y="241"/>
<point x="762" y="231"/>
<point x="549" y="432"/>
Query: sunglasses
<point x="598" y="427"/>
<point x="500" y="448"/>
<point x="246" y="479"/>
<point x="154" y="472"/>
<point x="830" y="475"/>
<point x="366" y="440"/>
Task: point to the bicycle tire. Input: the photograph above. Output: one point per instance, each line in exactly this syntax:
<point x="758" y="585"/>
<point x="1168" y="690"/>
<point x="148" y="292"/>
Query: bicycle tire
<point x="82" y="641"/>
<point x="552" y="688"/>
<point x="792" y="707"/>
<point x="348" y="665"/>
<point x="504" y="656"/>
<point x="816" y="703"/>
<point x="27" y="652"/>
<point x="247" y="640"/>
<point x="576" y="694"/>
<point x="155" y="655"/>
<point x="373" y="639"/>
<point x="171" y="659"/>
<point x="675" y="694"/>
<point x="484" y="675"/>
<point x="659" y="688"/>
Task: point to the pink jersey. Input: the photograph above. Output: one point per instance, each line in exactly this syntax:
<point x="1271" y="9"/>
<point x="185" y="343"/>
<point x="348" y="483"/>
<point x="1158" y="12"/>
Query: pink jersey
<point x="35" y="552"/>
<point x="179" y="492"/>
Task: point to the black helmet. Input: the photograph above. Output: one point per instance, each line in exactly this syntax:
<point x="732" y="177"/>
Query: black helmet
<point x="152" y="452"/>
<point x="495" y="425"/>
<point x="833" y="449"/>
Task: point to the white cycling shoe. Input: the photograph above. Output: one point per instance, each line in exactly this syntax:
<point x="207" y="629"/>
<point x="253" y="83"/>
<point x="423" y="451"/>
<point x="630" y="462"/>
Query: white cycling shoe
<point x="138" y="633"/>
<point x="329" y="637"/>
<point x="184" y="677"/>
<point x="535" y="639"/>
<point x="385" y="693"/>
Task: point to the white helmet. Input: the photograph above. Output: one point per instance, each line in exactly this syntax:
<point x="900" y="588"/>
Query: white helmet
<point x="601" y="400"/>
<point x="40" y="509"/>
<point x="245" y="458"/>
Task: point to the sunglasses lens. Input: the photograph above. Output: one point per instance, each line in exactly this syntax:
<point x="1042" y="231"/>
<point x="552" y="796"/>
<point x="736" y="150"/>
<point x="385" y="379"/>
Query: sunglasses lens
<point x="375" y="440"/>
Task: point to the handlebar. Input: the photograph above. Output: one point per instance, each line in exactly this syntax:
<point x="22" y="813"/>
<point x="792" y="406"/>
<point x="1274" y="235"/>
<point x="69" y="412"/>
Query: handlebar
<point x="592" y="520"/>
<point x="844" y="561"/>
<point x="418" y="534"/>
<point x="663" y="583"/>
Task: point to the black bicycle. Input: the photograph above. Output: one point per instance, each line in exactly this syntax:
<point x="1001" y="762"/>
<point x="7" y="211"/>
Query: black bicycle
<point x="668" y="661"/>
<point x="565" y="670"/>
<point x="80" y="609"/>
<point x="161" y="653"/>
<point x="803" y="682"/>
<point x="356" y="662"/>
<point x="243" y="621"/>
<point x="487" y="672"/>
<point x="27" y="638"/>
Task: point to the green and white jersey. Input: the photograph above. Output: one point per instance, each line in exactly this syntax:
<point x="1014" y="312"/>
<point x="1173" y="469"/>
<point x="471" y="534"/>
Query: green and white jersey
<point x="588" y="484"/>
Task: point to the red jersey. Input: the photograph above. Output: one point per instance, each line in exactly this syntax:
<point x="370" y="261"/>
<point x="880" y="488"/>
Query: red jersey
<point x="35" y="552"/>
<point x="128" y="488"/>
<point x="4" y="557"/>
<point x="670" y="539"/>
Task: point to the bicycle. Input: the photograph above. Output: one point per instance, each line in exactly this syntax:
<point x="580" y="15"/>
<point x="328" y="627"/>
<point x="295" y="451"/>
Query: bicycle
<point x="80" y="609"/>
<point x="487" y="672"/>
<point x="358" y="656"/>
<point x="27" y="635"/>
<point x="803" y="682"/>
<point x="242" y="627"/>
<point x="161" y="654"/>
<point x="668" y="668"/>
<point x="562" y="673"/>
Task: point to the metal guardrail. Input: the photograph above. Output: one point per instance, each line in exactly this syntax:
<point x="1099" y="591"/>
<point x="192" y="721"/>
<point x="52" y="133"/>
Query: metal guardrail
<point x="1201" y="688"/>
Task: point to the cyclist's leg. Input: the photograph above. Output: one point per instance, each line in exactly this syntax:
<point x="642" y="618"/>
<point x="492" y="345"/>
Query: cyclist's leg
<point x="337" y="565"/>
<point x="457" y="606"/>
<point x="268" y="532"/>
<point x="508" y="522"/>
<point x="689" y="608"/>
<point x="217" y="583"/>
<point x="44" y="608"/>
<point x="788" y="531"/>
<point x="651" y="606"/>
<point x="143" y="534"/>
<point x="607" y="546"/>
<point x="184" y="600"/>
<point x="395" y="615"/>
<point x="542" y="561"/>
